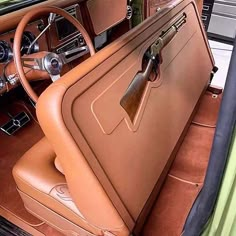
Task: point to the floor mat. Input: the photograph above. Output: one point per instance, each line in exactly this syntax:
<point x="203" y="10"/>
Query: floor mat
<point x="192" y="158"/>
<point x="9" y="229"/>
<point x="208" y="109"/>
<point x="12" y="148"/>
<point x="187" y="173"/>
<point x="163" y="220"/>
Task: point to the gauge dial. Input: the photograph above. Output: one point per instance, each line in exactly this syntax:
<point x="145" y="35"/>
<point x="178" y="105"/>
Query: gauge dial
<point x="27" y="39"/>
<point x="5" y="52"/>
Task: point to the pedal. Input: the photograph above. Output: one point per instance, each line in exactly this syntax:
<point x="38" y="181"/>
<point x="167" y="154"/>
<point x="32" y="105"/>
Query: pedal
<point x="16" y="123"/>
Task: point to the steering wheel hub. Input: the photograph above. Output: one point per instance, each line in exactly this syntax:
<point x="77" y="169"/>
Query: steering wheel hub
<point x="53" y="63"/>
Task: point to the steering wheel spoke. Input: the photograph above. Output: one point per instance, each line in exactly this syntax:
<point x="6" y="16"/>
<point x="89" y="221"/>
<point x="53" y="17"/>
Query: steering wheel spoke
<point x="33" y="63"/>
<point x="55" y="77"/>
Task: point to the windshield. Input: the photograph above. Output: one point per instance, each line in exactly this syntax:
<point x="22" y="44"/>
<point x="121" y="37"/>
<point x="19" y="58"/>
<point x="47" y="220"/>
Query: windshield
<point x="7" y="6"/>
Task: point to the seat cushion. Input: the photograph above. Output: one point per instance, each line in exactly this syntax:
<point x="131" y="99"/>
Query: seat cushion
<point x="36" y="176"/>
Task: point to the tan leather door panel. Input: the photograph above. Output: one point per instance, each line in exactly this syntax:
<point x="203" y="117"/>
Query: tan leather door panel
<point x="129" y="157"/>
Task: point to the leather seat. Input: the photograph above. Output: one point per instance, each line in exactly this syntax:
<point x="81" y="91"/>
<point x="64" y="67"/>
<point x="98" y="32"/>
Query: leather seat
<point x="103" y="153"/>
<point x="44" y="191"/>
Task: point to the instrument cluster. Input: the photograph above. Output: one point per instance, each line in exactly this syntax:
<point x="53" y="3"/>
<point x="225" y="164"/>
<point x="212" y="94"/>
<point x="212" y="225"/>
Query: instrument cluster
<point x="29" y="45"/>
<point x="26" y="44"/>
<point x="6" y="52"/>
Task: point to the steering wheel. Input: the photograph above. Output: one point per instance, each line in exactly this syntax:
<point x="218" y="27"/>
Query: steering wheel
<point x="46" y="62"/>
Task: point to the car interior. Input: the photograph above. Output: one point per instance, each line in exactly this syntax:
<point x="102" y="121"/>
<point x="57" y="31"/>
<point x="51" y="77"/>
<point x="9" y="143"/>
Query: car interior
<point x="107" y="116"/>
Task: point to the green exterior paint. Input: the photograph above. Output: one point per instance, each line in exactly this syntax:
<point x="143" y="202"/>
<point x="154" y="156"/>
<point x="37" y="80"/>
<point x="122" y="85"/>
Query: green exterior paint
<point x="223" y="220"/>
<point x="137" y="12"/>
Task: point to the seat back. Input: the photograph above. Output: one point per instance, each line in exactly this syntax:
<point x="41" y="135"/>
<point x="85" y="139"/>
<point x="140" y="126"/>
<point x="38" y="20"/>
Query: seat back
<point x="115" y="165"/>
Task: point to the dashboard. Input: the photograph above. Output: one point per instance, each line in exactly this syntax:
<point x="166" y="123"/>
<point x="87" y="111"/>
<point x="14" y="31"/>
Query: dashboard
<point x="61" y="36"/>
<point x="6" y="52"/>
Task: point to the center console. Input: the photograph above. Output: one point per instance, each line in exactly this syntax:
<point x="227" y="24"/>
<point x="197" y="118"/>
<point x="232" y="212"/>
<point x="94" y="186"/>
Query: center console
<point x="66" y="37"/>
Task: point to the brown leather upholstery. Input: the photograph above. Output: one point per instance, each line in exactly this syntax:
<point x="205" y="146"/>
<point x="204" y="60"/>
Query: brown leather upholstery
<point x="36" y="175"/>
<point x="40" y="183"/>
<point x="104" y="155"/>
<point x="90" y="129"/>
